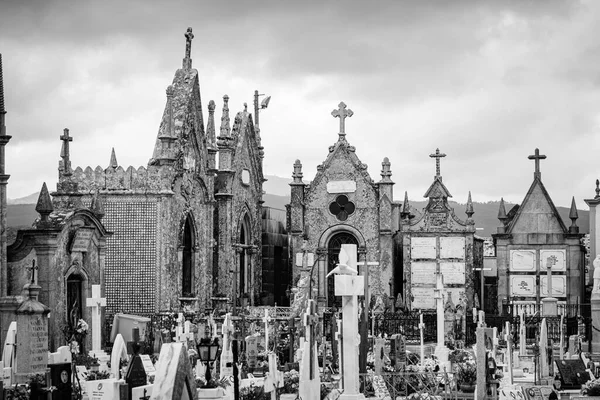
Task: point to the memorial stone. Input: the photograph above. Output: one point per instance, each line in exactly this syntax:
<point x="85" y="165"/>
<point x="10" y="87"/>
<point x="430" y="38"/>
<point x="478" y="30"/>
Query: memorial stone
<point x="544" y="365"/>
<point x="378" y="355"/>
<point x="147" y="363"/>
<point x="572" y="373"/>
<point x="60" y="377"/>
<point x="226" y="362"/>
<point x="136" y="373"/>
<point x="119" y="353"/>
<point x="251" y="351"/>
<point x="174" y="379"/>
<point x="8" y="355"/>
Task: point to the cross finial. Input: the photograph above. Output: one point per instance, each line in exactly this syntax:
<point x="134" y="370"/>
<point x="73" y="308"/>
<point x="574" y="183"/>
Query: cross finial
<point x="64" y="151"/>
<point x="187" y="61"/>
<point x="537" y="157"/>
<point x="33" y="269"/>
<point x="437" y="155"/>
<point x="342" y="112"/>
<point x="597" y="188"/>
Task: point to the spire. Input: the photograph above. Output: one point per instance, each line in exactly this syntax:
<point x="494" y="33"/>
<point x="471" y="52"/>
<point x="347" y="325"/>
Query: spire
<point x="113" y="159"/>
<point x="225" y="130"/>
<point x="44" y="206"/>
<point x="502" y="211"/>
<point x="385" y="170"/>
<point x="405" y="207"/>
<point x="97" y="205"/>
<point x="210" y="124"/>
<point x="297" y="174"/>
<point x="65" y="164"/>
<point x="469" y="210"/>
<point x="573" y="217"/>
<point x="187" y="60"/>
<point x="170" y="126"/>
<point x="2" y="109"/>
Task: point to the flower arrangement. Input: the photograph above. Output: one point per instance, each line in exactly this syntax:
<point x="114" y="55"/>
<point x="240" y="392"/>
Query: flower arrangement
<point x="291" y="382"/>
<point x="591" y="388"/>
<point x="466" y="372"/>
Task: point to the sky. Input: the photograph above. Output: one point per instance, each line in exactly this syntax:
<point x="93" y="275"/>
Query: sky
<point x="486" y="82"/>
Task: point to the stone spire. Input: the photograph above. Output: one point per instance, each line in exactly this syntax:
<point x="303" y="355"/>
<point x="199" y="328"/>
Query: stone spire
<point x="113" y="160"/>
<point x="405" y="207"/>
<point x="97" y="206"/>
<point x="297" y="174"/>
<point x="502" y="216"/>
<point x="573" y="217"/>
<point x="2" y="109"/>
<point x="65" y="164"/>
<point x="210" y="124"/>
<point x="225" y="130"/>
<point x="469" y="210"/>
<point x="187" y="60"/>
<point x="386" y="172"/>
<point x="4" y="139"/>
<point x="44" y="206"/>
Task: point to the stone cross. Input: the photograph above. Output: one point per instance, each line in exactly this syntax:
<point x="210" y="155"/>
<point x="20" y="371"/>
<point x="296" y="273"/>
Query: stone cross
<point x="509" y="353"/>
<point x="188" y="42"/>
<point x="342" y="112"/>
<point x="437" y="155"/>
<point x="310" y="320"/>
<point x="537" y="157"/>
<point x="96" y="302"/>
<point x="266" y="319"/>
<point x="64" y="153"/>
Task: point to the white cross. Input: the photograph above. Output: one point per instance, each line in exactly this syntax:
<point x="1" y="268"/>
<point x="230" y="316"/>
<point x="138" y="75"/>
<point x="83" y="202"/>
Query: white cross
<point x="266" y="319"/>
<point x="96" y="302"/>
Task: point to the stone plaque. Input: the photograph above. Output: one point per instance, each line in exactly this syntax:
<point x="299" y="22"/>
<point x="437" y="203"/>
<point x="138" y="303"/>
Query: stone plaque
<point x="252" y="351"/>
<point x="522" y="285"/>
<point x="573" y="373"/>
<point x="341" y="187"/>
<point x="422" y="273"/>
<point x="423" y="247"/>
<point x="555" y="257"/>
<point x="82" y="238"/>
<point x="438" y="219"/>
<point x="147" y="363"/>
<point x="60" y="377"/>
<point x="452" y="247"/>
<point x="453" y="272"/>
<point x="310" y="259"/>
<point x="522" y="260"/>
<point x="32" y="343"/>
<point x="423" y="298"/>
<point x="103" y="389"/>
<point x="559" y="286"/>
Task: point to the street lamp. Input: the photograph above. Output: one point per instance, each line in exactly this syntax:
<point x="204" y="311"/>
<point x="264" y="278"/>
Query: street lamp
<point x="207" y="351"/>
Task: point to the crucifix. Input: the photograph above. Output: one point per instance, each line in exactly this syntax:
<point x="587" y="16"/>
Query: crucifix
<point x="437" y="155"/>
<point x="145" y="396"/>
<point x="96" y="302"/>
<point x="537" y="157"/>
<point x="266" y="319"/>
<point x="310" y="320"/>
<point x="342" y="112"/>
<point x="64" y="151"/>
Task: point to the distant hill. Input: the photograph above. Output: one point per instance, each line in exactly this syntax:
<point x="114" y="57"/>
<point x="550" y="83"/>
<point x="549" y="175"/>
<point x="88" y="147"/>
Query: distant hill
<point x="21" y="212"/>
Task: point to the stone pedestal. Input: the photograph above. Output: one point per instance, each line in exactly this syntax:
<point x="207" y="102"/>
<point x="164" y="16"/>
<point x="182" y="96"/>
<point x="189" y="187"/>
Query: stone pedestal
<point x="595" y="300"/>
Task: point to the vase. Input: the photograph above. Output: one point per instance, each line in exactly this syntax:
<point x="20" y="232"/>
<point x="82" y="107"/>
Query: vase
<point x="467" y="387"/>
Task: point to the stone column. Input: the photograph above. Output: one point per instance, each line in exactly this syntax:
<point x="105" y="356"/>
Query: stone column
<point x="595" y="300"/>
<point x="594" y="226"/>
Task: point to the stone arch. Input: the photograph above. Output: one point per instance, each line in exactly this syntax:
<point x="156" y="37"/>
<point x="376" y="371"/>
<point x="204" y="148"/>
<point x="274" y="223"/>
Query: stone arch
<point x="187" y="249"/>
<point x="76" y="281"/>
<point x="244" y="270"/>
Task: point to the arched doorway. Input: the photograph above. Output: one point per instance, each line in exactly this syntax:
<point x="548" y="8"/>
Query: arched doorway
<point x="333" y="251"/>
<point x="74" y="298"/>
<point x="244" y="268"/>
<point x="187" y="265"/>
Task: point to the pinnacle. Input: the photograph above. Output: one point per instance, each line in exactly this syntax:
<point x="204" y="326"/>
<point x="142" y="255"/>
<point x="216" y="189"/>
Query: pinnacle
<point x="113" y="159"/>
<point x="44" y="204"/>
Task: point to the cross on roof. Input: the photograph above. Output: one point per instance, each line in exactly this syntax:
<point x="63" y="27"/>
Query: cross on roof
<point x="342" y="112"/>
<point x="437" y="155"/>
<point x="188" y="42"/>
<point x="537" y="157"/>
<point x="65" y="146"/>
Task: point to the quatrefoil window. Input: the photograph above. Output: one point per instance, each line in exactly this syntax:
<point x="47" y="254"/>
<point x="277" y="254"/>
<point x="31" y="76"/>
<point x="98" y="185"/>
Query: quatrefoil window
<point x="342" y="207"/>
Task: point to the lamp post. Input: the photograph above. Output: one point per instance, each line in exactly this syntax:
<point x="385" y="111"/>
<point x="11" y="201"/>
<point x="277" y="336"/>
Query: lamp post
<point x="207" y="351"/>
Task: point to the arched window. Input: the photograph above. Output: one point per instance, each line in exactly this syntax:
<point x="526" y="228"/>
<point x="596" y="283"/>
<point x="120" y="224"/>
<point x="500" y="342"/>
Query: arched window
<point x="74" y="298"/>
<point x="244" y="273"/>
<point x="187" y="265"/>
<point x="333" y="252"/>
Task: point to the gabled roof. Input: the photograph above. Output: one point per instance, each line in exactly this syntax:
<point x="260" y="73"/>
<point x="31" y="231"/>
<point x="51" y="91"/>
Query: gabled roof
<point x="437" y="189"/>
<point x="537" y="200"/>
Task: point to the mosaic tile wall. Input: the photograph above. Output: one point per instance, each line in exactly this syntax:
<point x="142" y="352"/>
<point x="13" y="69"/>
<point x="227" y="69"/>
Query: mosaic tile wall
<point x="131" y="257"/>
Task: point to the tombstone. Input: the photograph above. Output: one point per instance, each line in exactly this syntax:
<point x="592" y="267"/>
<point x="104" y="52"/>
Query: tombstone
<point x="8" y="355"/>
<point x="544" y="364"/>
<point x="251" y="351"/>
<point x="310" y="382"/>
<point x="106" y="389"/>
<point x="572" y="374"/>
<point x="226" y="362"/>
<point x="573" y="345"/>
<point x="378" y="354"/>
<point x="509" y="354"/>
<point x="481" y="359"/>
<point x="60" y="377"/>
<point x="522" y="335"/>
<point x="147" y="363"/>
<point x="119" y="353"/>
<point x="399" y="350"/>
<point x="174" y="379"/>
<point x="274" y="379"/>
<point x="136" y="373"/>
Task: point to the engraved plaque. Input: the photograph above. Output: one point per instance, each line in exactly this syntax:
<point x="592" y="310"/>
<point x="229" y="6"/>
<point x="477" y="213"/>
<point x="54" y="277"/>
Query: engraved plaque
<point x="556" y="258"/>
<point x="453" y="272"/>
<point x="452" y="247"/>
<point x="82" y="239"/>
<point x="559" y="286"/>
<point x="423" y="298"/>
<point x="523" y="285"/>
<point x="423" y="247"/>
<point x="522" y="260"/>
<point x="438" y="219"/>
<point x="341" y="187"/>
<point x="423" y="273"/>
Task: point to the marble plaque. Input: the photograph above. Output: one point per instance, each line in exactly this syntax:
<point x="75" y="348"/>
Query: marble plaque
<point x="423" y="298"/>
<point x="522" y="260"/>
<point x="555" y="257"/>
<point x="341" y="187"/>
<point x="103" y="389"/>
<point x="453" y="272"/>
<point x="559" y="286"/>
<point x="422" y="273"/>
<point x="452" y="247"/>
<point x="82" y="239"/>
<point x="310" y="259"/>
<point x="423" y="247"/>
<point x="523" y="285"/>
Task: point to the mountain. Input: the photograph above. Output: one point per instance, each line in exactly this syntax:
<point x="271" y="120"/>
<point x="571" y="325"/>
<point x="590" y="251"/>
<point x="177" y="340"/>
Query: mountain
<point x="31" y="199"/>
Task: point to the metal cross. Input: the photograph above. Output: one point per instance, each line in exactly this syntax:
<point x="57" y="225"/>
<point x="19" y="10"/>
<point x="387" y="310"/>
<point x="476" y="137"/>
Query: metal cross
<point x="188" y="42"/>
<point x="33" y="268"/>
<point x="342" y="112"/>
<point x="537" y="157"/>
<point x="145" y="396"/>
<point x="437" y="155"/>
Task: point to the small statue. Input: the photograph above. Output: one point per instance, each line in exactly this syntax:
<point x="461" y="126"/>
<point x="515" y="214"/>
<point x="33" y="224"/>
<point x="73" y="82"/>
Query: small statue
<point x="596" y="263"/>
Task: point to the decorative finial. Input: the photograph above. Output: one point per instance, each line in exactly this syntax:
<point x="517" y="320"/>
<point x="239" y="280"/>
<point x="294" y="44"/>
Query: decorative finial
<point x="437" y="155"/>
<point x="97" y="206"/>
<point x="225" y="128"/>
<point x="44" y="205"/>
<point x="342" y="113"/>
<point x="113" y="159"/>
<point x="65" y="154"/>
<point x="385" y="170"/>
<point x="187" y="61"/>
<point x="2" y="110"/>
<point x="297" y="174"/>
<point x="405" y="207"/>
<point x="537" y="157"/>
<point x="210" y="124"/>
<point x="502" y="211"/>
<point x="469" y="210"/>
<point x="597" y="188"/>
<point x="573" y="215"/>
<point x="245" y="107"/>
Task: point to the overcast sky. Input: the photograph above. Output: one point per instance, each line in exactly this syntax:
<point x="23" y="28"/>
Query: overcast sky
<point x="486" y="82"/>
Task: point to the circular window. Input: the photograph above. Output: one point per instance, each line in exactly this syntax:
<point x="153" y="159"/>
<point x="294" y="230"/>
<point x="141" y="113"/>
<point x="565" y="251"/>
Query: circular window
<point x="342" y="207"/>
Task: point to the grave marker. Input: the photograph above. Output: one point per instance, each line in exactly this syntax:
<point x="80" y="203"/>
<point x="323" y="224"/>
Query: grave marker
<point x="147" y="363"/>
<point x="119" y="352"/>
<point x="136" y="373"/>
<point x="226" y="362"/>
<point x="8" y="355"/>
<point x="174" y="379"/>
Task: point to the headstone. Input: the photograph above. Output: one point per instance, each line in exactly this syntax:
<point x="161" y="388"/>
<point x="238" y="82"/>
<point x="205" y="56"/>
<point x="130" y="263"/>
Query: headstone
<point x="310" y="382"/>
<point x="82" y="373"/>
<point x="119" y="352"/>
<point x="274" y="379"/>
<point x="103" y="389"/>
<point x="60" y="377"/>
<point x="8" y="355"/>
<point x="544" y="365"/>
<point x="572" y="373"/>
<point x="399" y="350"/>
<point x="573" y="344"/>
<point x="522" y="334"/>
<point x="251" y="351"/>
<point x="32" y="338"/>
<point x="147" y="363"/>
<point x="226" y="362"/>
<point x="380" y="388"/>
<point x="174" y="379"/>
<point x="481" y="359"/>
<point x="136" y="373"/>
<point x="509" y="353"/>
<point x="378" y="355"/>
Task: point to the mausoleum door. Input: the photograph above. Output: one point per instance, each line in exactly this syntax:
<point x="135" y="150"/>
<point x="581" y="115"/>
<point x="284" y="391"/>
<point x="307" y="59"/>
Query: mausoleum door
<point x="74" y="298"/>
<point x="333" y="251"/>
